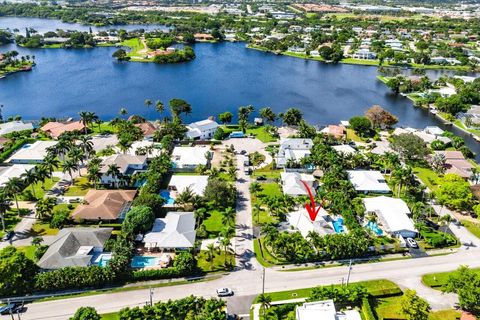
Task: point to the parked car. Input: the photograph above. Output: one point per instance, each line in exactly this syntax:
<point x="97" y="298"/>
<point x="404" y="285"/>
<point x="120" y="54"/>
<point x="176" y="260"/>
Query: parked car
<point x="12" y="308"/>
<point x="261" y="178"/>
<point x="243" y="152"/>
<point x="224" y="292"/>
<point x="75" y="200"/>
<point x="9" y="235"/>
<point x="412" y="243"/>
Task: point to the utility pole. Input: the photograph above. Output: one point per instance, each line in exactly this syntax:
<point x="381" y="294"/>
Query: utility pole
<point x="151" y="297"/>
<point x="349" y="271"/>
<point x="263" y="281"/>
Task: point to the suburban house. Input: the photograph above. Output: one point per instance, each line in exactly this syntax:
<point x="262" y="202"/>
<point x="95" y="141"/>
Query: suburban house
<point x="300" y="220"/>
<point x="55" y="129"/>
<point x="392" y="214"/>
<point x="344" y="149"/>
<point x="105" y="205"/>
<point x="324" y="310"/>
<point x="293" y="149"/>
<point x="145" y="148"/>
<point x="148" y="129"/>
<point x="76" y="247"/>
<point x="189" y="158"/>
<point x="32" y="153"/>
<point x="338" y="132"/>
<point x="368" y="181"/>
<point x="175" y="231"/>
<point x="197" y="184"/>
<point x="127" y="165"/>
<point x="456" y="163"/>
<point x="202" y="130"/>
<point x="14" y="126"/>
<point x="15" y="171"/>
<point x="292" y="183"/>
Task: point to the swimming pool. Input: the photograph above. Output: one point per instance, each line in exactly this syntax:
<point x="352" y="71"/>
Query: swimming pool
<point x="374" y="227"/>
<point x="101" y="259"/>
<point x="338" y="225"/>
<point x="165" y="194"/>
<point x="142" y="262"/>
<point x="26" y="146"/>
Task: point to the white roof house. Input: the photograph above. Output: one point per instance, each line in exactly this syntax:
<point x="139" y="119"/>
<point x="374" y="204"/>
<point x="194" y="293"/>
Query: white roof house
<point x="293" y="186"/>
<point x="344" y="149"/>
<point x="368" y="181"/>
<point x="32" y="153"/>
<point x="14" y="126"/>
<point x="392" y="214"/>
<point x="196" y="183"/>
<point x="301" y="221"/>
<point x="15" y="171"/>
<point x="293" y="149"/>
<point x="188" y="158"/>
<point x="176" y="230"/>
<point x="202" y="130"/>
<point x="434" y="130"/>
<point x="145" y="147"/>
<point x="324" y="310"/>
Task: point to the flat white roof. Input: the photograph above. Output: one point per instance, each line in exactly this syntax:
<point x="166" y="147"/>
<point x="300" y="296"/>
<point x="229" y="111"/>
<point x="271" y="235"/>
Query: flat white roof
<point x="14" y="126"/>
<point x="366" y="180"/>
<point x="154" y="152"/>
<point x="33" y="152"/>
<point x="189" y="156"/>
<point x="344" y="149"/>
<point x="392" y="213"/>
<point x="196" y="183"/>
<point x="15" y="171"/>
<point x="301" y="221"/>
<point x="292" y="183"/>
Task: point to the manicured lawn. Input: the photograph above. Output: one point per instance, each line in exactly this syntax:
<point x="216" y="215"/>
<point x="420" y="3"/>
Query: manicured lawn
<point x="110" y="316"/>
<point x="474" y="228"/>
<point x="261" y="134"/>
<point x="351" y="135"/>
<point x="388" y="308"/>
<point x="27" y="193"/>
<point x="29" y="251"/>
<point x="263" y="255"/>
<point x="427" y="176"/>
<point x="271" y="189"/>
<point x="43" y="229"/>
<point x="218" y="263"/>
<point x="268" y="172"/>
<point x="104" y="127"/>
<point x="445" y="315"/>
<point x="437" y="280"/>
<point x="213" y="223"/>
<point x="11" y="220"/>
<point x="80" y="188"/>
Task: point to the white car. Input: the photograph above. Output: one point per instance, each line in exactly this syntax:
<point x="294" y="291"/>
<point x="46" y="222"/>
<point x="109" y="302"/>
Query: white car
<point x="224" y="292"/>
<point x="412" y="243"/>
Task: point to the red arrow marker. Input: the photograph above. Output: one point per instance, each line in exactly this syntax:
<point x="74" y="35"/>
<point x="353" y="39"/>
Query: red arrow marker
<point x="311" y="208"/>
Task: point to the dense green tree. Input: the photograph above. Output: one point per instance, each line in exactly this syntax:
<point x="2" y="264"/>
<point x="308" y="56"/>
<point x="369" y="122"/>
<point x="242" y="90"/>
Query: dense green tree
<point x="86" y="313"/>
<point x="454" y="192"/>
<point x="138" y="220"/>
<point x="466" y="283"/>
<point x="409" y="146"/>
<point x="16" y="272"/>
<point x="292" y="117"/>
<point x="361" y="125"/>
<point x="225" y="117"/>
<point x="414" y="307"/>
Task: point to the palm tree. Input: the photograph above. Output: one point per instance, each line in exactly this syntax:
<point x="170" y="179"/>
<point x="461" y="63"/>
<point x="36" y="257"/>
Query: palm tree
<point x="185" y="198"/>
<point x="4" y="206"/>
<point x="13" y="187"/>
<point x="76" y="154"/>
<point x="228" y="216"/>
<point x="30" y="178"/>
<point x="43" y="174"/>
<point x="114" y="171"/>
<point x="265" y="302"/>
<point x="211" y="252"/>
<point x="69" y="166"/>
<point x="86" y="117"/>
<point x="44" y="208"/>
<point x="124" y="145"/>
<point x="148" y="103"/>
<point x="255" y="188"/>
<point x="93" y="174"/>
<point x="50" y="163"/>
<point x="445" y="221"/>
<point x="200" y="215"/>
<point x="86" y="145"/>
<point x="159" y="106"/>
<point x="256" y="208"/>
<point x="123" y="111"/>
<point x="225" y="243"/>
<point x="37" y="241"/>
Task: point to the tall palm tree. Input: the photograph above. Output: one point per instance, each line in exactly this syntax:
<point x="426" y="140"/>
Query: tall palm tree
<point x="43" y="174"/>
<point x="4" y="206"/>
<point x="265" y="303"/>
<point x="148" y="103"/>
<point x="87" y="118"/>
<point x="159" y="106"/>
<point x="123" y="111"/>
<point x="228" y="216"/>
<point x="30" y="178"/>
<point x="76" y="155"/>
<point x="211" y="252"/>
<point x="114" y="171"/>
<point x="225" y="243"/>
<point x="50" y="163"/>
<point x="13" y="187"/>
<point x="86" y="145"/>
<point x="200" y="215"/>
<point x="94" y="174"/>
<point x="69" y="166"/>
<point x="44" y="208"/>
<point x="185" y="198"/>
<point x="256" y="208"/>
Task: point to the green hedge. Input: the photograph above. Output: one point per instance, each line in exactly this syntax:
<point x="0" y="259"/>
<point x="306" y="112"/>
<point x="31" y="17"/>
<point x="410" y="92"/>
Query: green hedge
<point x="144" y="275"/>
<point x="367" y="311"/>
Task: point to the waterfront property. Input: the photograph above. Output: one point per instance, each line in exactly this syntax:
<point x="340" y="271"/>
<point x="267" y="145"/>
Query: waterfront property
<point x="392" y="214"/>
<point x="32" y="153"/>
<point x="292" y="149"/>
<point x="456" y="163"/>
<point x="127" y="166"/>
<point x="175" y="231"/>
<point x="76" y="247"/>
<point x="367" y="181"/>
<point x="104" y="205"/>
<point x="14" y="126"/>
<point x="148" y="129"/>
<point x="201" y="130"/>
<point x="54" y="129"/>
<point x="189" y="158"/>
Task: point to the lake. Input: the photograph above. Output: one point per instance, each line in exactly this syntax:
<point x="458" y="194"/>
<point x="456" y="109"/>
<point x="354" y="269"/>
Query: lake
<point x="222" y="77"/>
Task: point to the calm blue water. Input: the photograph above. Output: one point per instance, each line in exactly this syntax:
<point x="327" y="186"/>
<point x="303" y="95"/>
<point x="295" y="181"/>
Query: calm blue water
<point x="223" y="77"/>
<point x="142" y="262"/>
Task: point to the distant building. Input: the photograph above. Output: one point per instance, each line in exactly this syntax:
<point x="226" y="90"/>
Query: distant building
<point x="32" y="153"/>
<point x="197" y="184"/>
<point x="456" y="163"/>
<point x="55" y="129"/>
<point x="15" y="171"/>
<point x="14" y="126"/>
<point x="344" y="149"/>
<point x="202" y="130"/>
<point x="338" y="132"/>
<point x="148" y="129"/>
<point x="324" y="310"/>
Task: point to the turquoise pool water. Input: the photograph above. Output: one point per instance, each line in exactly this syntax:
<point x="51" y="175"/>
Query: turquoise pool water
<point x="104" y="260"/>
<point x="142" y="262"/>
<point x="338" y="225"/>
<point x="374" y="227"/>
<point x="165" y="194"/>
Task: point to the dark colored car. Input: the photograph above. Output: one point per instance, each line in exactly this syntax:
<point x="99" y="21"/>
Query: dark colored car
<point x="12" y="308"/>
<point x="9" y="235"/>
<point x="261" y="178"/>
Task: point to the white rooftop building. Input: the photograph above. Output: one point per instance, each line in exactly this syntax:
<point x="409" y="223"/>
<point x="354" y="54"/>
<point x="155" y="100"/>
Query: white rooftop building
<point x="14" y="126"/>
<point x="368" y="181"/>
<point x="15" y="171"/>
<point x="197" y="184"/>
<point x="146" y="148"/>
<point x="344" y="149"/>
<point x="32" y="153"/>
<point x="188" y="158"/>
<point x="293" y="186"/>
<point x="324" y="310"/>
<point x="175" y="231"/>
<point x="202" y="130"/>
<point x="293" y="149"/>
<point x="392" y="214"/>
<point x="301" y="221"/>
